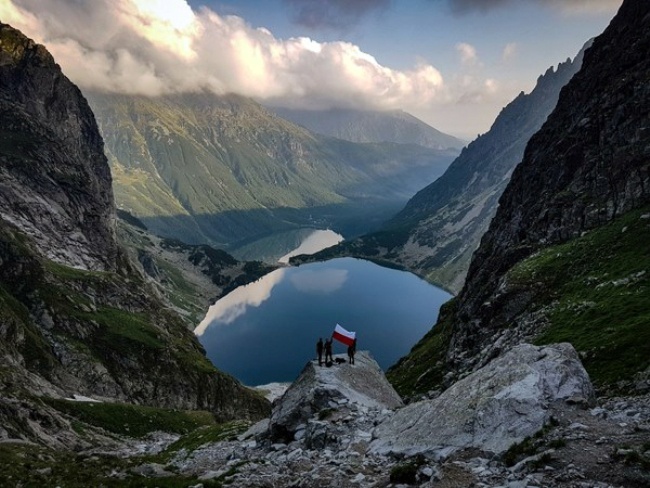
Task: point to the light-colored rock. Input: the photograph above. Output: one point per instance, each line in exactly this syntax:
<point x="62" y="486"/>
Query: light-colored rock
<point x="320" y="390"/>
<point x="491" y="409"/>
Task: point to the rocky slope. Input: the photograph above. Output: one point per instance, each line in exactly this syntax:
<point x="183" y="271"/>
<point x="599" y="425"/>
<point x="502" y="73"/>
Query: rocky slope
<point x="371" y="126"/>
<point x="437" y="231"/>
<point x="564" y="257"/>
<point x="189" y="277"/>
<point x="219" y="170"/>
<point x="524" y="420"/>
<point x="75" y="315"/>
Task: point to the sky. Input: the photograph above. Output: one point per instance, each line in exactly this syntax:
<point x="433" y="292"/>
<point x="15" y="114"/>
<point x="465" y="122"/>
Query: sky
<point x="453" y="63"/>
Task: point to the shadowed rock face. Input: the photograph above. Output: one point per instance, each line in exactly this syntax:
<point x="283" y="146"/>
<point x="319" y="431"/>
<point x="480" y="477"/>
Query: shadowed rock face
<point x="493" y="408"/>
<point x="55" y="183"/>
<point x="75" y="315"/>
<point x="589" y="164"/>
<point x="322" y="388"/>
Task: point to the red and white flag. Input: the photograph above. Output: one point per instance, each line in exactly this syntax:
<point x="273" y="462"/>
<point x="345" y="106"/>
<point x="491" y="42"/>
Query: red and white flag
<point x="344" y="336"/>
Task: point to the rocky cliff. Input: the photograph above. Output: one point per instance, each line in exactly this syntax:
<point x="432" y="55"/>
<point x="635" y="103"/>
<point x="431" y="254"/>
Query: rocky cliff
<point x="440" y="227"/>
<point x="76" y="316"/>
<point x="55" y="182"/>
<point x="189" y="277"/>
<point x="581" y="175"/>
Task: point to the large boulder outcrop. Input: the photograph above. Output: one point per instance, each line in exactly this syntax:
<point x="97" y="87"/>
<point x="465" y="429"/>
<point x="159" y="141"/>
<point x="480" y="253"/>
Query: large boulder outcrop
<point x="491" y="409"/>
<point x="320" y="389"/>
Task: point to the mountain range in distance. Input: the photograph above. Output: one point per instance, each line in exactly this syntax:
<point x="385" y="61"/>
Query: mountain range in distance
<point x="438" y="230"/>
<point x="371" y="126"/>
<point x="223" y="170"/>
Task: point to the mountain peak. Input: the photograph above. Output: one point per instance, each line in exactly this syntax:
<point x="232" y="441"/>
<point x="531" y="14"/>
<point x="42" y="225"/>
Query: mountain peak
<point x="15" y="47"/>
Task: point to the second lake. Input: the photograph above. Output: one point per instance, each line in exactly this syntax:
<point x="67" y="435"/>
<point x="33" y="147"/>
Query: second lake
<point x="266" y="331"/>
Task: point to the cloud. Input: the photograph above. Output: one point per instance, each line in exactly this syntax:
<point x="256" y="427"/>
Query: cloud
<point x="334" y="14"/>
<point x="155" y="47"/>
<point x="564" y="6"/>
<point x="467" y="53"/>
<point x="509" y="51"/>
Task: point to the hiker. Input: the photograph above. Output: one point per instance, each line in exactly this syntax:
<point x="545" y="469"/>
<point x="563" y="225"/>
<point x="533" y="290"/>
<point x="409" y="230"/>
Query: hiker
<point x="328" y="351"/>
<point x="319" y="351"/>
<point x="352" y="348"/>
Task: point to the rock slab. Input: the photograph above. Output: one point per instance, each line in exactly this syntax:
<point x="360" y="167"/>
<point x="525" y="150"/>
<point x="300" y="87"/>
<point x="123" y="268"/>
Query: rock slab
<point x="491" y="409"/>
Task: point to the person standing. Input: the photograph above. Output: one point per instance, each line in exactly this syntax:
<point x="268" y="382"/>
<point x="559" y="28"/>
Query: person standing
<point x="319" y="351"/>
<point x="328" y="351"/>
<point x="352" y="348"/>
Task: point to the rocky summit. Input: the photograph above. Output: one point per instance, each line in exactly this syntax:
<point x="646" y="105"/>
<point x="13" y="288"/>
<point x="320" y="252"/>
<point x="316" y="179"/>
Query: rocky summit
<point x="502" y="426"/>
<point x="321" y="389"/>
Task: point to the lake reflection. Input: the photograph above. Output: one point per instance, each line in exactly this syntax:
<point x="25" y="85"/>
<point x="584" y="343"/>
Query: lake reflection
<point x="267" y="330"/>
<point x="316" y="241"/>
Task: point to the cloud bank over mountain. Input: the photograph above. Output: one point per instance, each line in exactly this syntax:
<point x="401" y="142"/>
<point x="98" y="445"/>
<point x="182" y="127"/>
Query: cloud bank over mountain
<point x="157" y="47"/>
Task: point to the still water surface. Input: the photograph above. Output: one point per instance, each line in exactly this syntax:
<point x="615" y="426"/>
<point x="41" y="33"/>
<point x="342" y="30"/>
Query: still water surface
<point x="266" y="331"/>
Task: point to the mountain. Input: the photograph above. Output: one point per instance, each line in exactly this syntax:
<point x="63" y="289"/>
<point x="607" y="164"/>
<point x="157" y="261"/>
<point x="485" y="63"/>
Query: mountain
<point x="371" y="126"/>
<point x="222" y="169"/>
<point x="437" y="231"/>
<point x="566" y="256"/>
<point x="189" y="277"/>
<point x="76" y="316"/>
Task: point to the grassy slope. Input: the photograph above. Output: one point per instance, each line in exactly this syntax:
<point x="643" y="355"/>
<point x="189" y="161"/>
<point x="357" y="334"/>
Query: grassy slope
<point x="33" y="466"/>
<point x="599" y="286"/>
<point x="595" y="291"/>
<point x="218" y="169"/>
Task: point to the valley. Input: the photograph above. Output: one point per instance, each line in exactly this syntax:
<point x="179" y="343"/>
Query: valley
<point x="124" y="217"/>
<point x="224" y="171"/>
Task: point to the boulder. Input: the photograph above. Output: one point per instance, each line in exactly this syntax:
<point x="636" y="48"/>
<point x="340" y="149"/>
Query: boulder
<point x="321" y="389"/>
<point x="491" y="409"/>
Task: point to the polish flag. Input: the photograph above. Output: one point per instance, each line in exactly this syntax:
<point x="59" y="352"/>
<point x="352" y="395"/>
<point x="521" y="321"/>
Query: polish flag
<point x="344" y="336"/>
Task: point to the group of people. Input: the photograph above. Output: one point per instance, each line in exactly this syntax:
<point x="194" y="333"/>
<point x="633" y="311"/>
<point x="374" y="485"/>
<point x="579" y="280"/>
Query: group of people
<point x="327" y="348"/>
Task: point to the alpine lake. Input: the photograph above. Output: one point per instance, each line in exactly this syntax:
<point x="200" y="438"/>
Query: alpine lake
<point x="266" y="331"/>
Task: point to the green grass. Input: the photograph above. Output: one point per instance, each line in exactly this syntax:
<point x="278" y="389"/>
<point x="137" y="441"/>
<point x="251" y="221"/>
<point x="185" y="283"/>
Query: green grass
<point x="532" y="445"/>
<point x="207" y="434"/>
<point x="123" y="330"/>
<point x="133" y="420"/>
<point x="30" y="466"/>
<point x="423" y="368"/>
<point x="68" y="273"/>
<point x="599" y="285"/>
<point x="37" y="466"/>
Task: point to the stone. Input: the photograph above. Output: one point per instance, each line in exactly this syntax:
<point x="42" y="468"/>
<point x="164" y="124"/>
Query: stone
<point x="491" y="409"/>
<point x="319" y="392"/>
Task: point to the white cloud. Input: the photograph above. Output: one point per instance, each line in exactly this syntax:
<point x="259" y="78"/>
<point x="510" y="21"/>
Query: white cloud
<point x="155" y="47"/>
<point x="467" y="53"/>
<point x="509" y="51"/>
